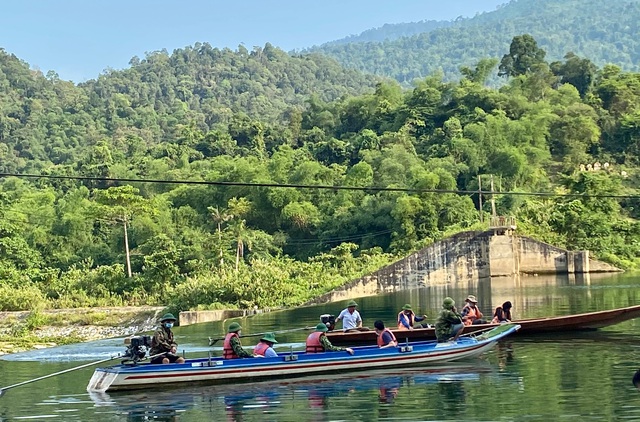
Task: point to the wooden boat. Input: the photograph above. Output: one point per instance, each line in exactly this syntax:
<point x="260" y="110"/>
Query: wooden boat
<point x="577" y="322"/>
<point x="216" y="370"/>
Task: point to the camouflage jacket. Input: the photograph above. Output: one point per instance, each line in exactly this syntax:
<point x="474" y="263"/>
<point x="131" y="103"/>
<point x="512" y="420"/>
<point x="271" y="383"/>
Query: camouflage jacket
<point x="162" y="341"/>
<point x="445" y="322"/>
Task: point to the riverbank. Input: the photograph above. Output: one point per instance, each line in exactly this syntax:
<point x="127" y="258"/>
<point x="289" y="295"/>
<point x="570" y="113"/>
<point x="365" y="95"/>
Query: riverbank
<point x="26" y="330"/>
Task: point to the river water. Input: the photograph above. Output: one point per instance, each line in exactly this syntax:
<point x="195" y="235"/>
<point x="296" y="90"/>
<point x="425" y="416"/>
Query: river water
<point x="537" y="378"/>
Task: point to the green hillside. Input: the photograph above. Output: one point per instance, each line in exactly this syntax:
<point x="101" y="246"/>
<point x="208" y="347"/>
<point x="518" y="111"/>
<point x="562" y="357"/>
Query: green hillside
<point x="604" y="33"/>
<point x="273" y="179"/>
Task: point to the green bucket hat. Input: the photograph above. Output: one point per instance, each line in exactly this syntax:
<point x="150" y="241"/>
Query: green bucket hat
<point x="322" y="327"/>
<point x="351" y="303"/>
<point x="234" y="327"/>
<point x="406" y="307"/>
<point x="168" y="317"/>
<point x="271" y="337"/>
<point x="448" y="303"/>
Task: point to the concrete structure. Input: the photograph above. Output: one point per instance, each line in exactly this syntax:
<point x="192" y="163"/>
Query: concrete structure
<point x="196" y="317"/>
<point x="469" y="257"/>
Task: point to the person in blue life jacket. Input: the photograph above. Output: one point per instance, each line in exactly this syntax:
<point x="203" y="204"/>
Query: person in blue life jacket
<point x="163" y="346"/>
<point x="407" y="319"/>
<point x="264" y="349"/>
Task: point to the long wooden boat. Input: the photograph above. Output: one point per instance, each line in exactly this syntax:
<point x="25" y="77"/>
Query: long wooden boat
<point x="216" y="370"/>
<point x="577" y="322"/>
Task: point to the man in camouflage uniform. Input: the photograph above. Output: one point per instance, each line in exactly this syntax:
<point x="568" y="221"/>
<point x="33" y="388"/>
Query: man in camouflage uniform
<point x="449" y="324"/>
<point x="232" y="348"/>
<point x="162" y="343"/>
<point x="318" y="342"/>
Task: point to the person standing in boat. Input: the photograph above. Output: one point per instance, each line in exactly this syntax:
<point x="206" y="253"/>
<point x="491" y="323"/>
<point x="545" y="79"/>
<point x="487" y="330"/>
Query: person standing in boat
<point x="502" y="313"/>
<point x="385" y="336"/>
<point x="449" y="324"/>
<point x="471" y="313"/>
<point x="317" y="342"/>
<point x="407" y="318"/>
<point x="163" y="347"/>
<point x="232" y="348"/>
<point x="350" y="317"/>
<point x="264" y="348"/>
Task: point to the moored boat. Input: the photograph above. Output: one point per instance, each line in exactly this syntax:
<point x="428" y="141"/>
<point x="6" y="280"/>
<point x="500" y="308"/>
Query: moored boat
<point x="216" y="370"/>
<point x="576" y="322"/>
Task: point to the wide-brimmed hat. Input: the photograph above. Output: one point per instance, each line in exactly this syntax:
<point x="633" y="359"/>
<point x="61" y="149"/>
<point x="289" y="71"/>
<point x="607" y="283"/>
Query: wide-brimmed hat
<point x="168" y="317"/>
<point x="351" y="303"/>
<point x="471" y="298"/>
<point x="406" y="307"/>
<point x="234" y="327"/>
<point x="322" y="327"/>
<point x="270" y="337"/>
<point x="448" y="303"/>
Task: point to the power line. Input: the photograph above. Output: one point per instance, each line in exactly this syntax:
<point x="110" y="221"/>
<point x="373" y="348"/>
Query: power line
<point x="323" y="187"/>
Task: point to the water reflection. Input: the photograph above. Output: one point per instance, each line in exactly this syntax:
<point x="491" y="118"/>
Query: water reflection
<point x="312" y="395"/>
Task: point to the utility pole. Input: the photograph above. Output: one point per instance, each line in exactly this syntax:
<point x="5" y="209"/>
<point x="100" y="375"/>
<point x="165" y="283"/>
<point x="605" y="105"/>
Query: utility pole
<point x="493" y="200"/>
<point x="480" y="197"/>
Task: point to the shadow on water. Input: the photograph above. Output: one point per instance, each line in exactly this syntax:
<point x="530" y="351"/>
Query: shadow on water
<point x="315" y="392"/>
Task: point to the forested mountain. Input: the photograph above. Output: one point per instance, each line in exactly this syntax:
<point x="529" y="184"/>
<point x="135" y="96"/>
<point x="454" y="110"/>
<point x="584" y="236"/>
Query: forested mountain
<point x="47" y="119"/>
<point x="251" y="209"/>
<point x="392" y="32"/>
<point x="605" y="33"/>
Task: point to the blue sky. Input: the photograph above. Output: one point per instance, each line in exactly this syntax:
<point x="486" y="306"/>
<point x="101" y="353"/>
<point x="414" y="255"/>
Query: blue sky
<point x="80" y="38"/>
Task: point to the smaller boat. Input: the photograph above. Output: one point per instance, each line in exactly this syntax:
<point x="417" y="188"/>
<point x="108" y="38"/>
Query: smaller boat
<point x="577" y="322"/>
<point x="294" y="364"/>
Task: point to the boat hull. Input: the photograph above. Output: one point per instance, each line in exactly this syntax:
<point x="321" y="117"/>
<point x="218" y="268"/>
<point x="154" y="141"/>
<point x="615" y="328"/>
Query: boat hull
<point x="215" y="370"/>
<point x="578" y="322"/>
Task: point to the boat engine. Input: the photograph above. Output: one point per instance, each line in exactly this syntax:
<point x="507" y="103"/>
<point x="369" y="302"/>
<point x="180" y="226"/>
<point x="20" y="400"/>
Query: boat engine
<point x="137" y="348"/>
<point x="329" y="321"/>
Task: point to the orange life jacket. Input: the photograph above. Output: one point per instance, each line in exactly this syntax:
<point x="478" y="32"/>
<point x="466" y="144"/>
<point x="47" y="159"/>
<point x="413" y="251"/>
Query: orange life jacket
<point x="227" y="351"/>
<point x="472" y="314"/>
<point x="313" y="342"/>
<point x="410" y="317"/>
<point x="393" y="338"/>
<point x="260" y="349"/>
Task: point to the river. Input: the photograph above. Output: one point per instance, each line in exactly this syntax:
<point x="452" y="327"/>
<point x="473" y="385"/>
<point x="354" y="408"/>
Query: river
<point x="537" y="378"/>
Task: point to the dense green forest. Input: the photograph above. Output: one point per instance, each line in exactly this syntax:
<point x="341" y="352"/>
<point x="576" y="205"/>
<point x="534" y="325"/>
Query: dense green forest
<point x="604" y="34"/>
<point x="238" y="125"/>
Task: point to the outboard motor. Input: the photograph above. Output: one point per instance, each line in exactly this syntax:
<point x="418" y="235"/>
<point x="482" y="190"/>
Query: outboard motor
<point x="329" y="321"/>
<point x="137" y="348"/>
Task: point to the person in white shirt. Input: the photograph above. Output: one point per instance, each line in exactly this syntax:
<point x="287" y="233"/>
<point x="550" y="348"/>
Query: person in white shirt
<point x="350" y="317"/>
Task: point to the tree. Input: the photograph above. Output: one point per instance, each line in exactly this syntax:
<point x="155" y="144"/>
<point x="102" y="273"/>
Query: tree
<point x="121" y="203"/>
<point x="580" y="73"/>
<point x="524" y="54"/>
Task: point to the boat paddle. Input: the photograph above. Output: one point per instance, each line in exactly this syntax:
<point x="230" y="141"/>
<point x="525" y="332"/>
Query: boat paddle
<point x="213" y="341"/>
<point x="3" y="389"/>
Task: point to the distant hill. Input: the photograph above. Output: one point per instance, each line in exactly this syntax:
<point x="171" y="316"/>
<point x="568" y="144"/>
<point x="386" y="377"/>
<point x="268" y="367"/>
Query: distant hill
<point x="604" y="33"/>
<point x="392" y="31"/>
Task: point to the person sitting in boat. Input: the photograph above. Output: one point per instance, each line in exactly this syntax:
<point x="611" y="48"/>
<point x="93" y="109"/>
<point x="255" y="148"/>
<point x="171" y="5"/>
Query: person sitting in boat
<point x="471" y="313"/>
<point x="163" y="347"/>
<point x="449" y="324"/>
<point x="502" y="313"/>
<point x="232" y="348"/>
<point x="385" y="336"/>
<point x="350" y="317"/>
<point x="264" y="348"/>
<point x="317" y="342"/>
<point x="407" y="318"/>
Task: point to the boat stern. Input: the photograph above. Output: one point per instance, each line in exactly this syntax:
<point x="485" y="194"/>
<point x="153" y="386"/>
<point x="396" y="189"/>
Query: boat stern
<point x="101" y="380"/>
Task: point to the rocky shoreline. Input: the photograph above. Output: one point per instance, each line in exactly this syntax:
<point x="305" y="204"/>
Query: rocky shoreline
<point x="84" y="324"/>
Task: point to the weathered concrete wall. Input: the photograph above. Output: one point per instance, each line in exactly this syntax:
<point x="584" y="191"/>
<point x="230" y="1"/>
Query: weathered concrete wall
<point x="537" y="257"/>
<point x="196" y="317"/>
<point x="459" y="258"/>
<point x="468" y="257"/>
